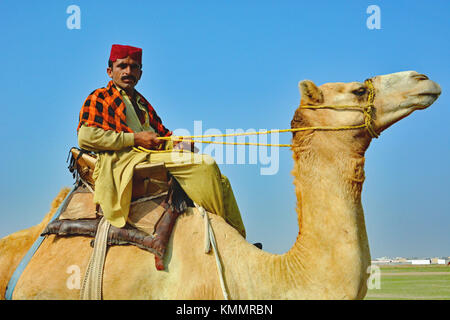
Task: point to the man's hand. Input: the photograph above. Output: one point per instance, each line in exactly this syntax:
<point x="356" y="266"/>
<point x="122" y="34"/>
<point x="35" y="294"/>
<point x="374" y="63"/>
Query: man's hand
<point x="184" y="145"/>
<point x="147" y="139"/>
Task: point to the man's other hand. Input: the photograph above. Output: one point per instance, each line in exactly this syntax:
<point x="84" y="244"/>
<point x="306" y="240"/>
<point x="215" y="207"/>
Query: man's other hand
<point x="147" y="139"/>
<point x="185" y="144"/>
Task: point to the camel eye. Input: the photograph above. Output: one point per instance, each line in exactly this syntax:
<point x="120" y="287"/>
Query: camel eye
<point x="359" y="92"/>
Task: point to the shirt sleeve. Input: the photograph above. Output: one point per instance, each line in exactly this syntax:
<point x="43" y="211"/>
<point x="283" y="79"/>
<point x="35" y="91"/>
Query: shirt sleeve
<point x="98" y="139"/>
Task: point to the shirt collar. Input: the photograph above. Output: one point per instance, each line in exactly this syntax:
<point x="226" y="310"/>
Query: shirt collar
<point x="122" y="92"/>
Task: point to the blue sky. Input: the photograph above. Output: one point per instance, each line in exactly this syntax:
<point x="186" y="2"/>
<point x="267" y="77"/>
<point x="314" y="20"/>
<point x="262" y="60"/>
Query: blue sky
<point x="231" y="64"/>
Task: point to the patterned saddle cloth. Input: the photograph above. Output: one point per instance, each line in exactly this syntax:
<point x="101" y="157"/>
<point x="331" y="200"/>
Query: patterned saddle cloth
<point x="150" y="221"/>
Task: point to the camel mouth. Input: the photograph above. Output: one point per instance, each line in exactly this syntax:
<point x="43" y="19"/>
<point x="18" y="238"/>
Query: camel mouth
<point x="428" y="99"/>
<point x="433" y="90"/>
<point x="429" y="94"/>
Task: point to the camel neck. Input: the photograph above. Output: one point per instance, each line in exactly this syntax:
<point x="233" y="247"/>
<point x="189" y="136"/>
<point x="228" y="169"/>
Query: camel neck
<point x="332" y="246"/>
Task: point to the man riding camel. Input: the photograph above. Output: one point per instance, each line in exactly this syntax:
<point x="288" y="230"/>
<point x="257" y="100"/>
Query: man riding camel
<point x="117" y="118"/>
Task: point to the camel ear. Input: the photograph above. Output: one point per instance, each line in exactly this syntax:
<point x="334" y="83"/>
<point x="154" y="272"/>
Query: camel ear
<point x="310" y="93"/>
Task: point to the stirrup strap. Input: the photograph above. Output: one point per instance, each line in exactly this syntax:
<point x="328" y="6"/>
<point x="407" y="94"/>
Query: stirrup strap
<point x="210" y="240"/>
<point x="92" y="284"/>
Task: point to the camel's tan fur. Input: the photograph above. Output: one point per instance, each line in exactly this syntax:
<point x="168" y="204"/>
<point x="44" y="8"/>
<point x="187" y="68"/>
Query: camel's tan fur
<point x="14" y="247"/>
<point x="329" y="259"/>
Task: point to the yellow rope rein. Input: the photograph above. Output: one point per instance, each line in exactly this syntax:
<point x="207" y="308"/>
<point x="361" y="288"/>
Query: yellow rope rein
<point x="367" y="110"/>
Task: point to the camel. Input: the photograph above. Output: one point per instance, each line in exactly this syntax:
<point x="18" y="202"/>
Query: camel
<point x="329" y="258"/>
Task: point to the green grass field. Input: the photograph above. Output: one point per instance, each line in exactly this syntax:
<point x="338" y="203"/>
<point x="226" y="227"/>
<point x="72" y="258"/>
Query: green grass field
<point x="408" y="282"/>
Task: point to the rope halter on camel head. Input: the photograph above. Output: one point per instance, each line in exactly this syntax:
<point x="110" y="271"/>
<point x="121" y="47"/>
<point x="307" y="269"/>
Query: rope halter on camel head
<point x="367" y="110"/>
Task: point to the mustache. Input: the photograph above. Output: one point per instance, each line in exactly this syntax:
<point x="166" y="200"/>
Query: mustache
<point x="129" y="77"/>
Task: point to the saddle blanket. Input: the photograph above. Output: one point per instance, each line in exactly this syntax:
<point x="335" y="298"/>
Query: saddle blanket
<point x="144" y="215"/>
<point x="149" y="224"/>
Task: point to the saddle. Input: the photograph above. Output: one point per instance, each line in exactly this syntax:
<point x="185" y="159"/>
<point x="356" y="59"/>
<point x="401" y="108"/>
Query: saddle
<point x="157" y="201"/>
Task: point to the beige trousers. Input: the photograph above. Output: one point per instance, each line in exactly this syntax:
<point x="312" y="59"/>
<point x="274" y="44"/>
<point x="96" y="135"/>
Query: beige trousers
<point x="198" y="175"/>
<point x="201" y="179"/>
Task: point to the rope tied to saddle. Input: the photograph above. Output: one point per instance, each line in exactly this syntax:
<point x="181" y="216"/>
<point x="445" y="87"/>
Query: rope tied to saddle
<point x="367" y="110"/>
<point x="210" y="240"/>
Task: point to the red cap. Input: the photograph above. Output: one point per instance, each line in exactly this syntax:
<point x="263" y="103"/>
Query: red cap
<point x="119" y="52"/>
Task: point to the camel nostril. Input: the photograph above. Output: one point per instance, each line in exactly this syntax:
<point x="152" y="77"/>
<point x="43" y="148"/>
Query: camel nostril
<point x="420" y="77"/>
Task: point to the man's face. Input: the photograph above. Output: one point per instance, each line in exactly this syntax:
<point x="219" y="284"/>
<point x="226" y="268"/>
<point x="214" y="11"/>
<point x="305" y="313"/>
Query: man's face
<point x="125" y="73"/>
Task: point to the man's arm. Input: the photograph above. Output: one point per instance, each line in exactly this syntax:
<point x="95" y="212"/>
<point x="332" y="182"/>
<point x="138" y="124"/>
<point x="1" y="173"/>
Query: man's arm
<point x="97" y="139"/>
<point x="147" y="139"/>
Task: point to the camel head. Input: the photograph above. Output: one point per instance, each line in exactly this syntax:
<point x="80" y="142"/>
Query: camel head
<point x="396" y="96"/>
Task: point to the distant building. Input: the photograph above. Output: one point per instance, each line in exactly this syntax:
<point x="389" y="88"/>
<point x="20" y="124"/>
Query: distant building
<point x="414" y="260"/>
<point x="420" y="261"/>
<point x="439" y="261"/>
<point x="381" y="261"/>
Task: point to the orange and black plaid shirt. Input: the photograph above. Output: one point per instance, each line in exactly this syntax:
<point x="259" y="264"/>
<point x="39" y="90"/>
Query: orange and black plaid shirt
<point x="104" y="108"/>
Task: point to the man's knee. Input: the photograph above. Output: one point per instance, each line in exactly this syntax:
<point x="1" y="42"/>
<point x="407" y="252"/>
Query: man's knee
<point x="208" y="166"/>
<point x="191" y="158"/>
<point x="207" y="160"/>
